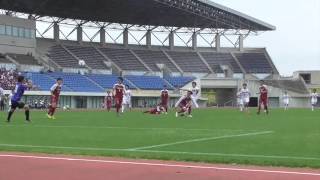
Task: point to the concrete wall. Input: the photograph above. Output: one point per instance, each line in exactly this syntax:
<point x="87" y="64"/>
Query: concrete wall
<point x="18" y="45"/>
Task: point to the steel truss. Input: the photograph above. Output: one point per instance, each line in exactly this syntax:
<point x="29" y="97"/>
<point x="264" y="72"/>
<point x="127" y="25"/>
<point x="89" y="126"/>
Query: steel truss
<point x="114" y="31"/>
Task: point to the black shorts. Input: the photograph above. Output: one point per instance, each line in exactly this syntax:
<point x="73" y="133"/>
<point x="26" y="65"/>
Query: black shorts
<point x="15" y="105"/>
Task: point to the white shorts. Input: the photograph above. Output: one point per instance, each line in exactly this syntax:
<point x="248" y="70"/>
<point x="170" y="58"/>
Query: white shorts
<point x="286" y="101"/>
<point x="126" y="102"/>
<point x="244" y="101"/>
<point x="314" y="101"/>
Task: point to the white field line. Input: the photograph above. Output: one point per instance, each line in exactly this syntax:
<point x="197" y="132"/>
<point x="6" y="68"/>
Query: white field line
<point x="162" y="152"/>
<point x="163" y="165"/>
<point x="202" y="139"/>
<point x="128" y="128"/>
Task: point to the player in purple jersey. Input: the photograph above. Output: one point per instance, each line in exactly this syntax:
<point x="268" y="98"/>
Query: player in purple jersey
<point x="21" y="86"/>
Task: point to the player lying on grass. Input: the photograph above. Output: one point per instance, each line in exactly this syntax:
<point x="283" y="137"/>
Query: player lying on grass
<point x="108" y="101"/>
<point x="16" y="102"/>
<point x="164" y="98"/>
<point x="184" y="105"/>
<point x="244" y="97"/>
<point x="286" y="99"/>
<point x="126" y="101"/>
<point x="156" y="110"/>
<point x="54" y="99"/>
<point x="263" y="100"/>
<point x="314" y="99"/>
<point x="118" y="92"/>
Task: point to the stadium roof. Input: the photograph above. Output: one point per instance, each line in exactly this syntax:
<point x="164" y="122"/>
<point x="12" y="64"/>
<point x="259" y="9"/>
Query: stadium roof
<point x="173" y="13"/>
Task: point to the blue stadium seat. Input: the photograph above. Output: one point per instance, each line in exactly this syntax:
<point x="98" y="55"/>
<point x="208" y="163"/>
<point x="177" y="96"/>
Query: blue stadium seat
<point x="106" y="81"/>
<point x="148" y="82"/>
<point x="43" y="81"/>
<point x="77" y="82"/>
<point x="179" y="82"/>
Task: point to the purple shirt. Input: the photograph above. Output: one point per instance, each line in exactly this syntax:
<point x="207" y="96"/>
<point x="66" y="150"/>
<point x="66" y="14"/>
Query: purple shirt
<point x="18" y="92"/>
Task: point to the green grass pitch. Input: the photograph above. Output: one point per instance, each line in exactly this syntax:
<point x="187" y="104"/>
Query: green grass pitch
<point x="282" y="138"/>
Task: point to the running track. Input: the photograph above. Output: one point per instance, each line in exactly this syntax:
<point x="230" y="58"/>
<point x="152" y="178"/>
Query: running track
<point x="39" y="167"/>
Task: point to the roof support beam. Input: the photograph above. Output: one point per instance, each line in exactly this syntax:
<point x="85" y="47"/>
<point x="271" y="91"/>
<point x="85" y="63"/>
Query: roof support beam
<point x="126" y="37"/>
<point x="79" y="34"/>
<point x="218" y="42"/>
<point x="56" y="32"/>
<point x="171" y="40"/>
<point x="194" y="40"/>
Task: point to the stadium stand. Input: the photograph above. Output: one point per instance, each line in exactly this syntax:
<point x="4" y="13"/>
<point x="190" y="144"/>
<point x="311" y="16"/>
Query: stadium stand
<point x="124" y="59"/>
<point x="152" y="58"/>
<point x="77" y="82"/>
<point x="189" y="61"/>
<point x="43" y="81"/>
<point x="59" y="55"/>
<point x="254" y="62"/>
<point x="90" y="55"/>
<point x="3" y="59"/>
<point x="24" y="59"/>
<point x="296" y="85"/>
<point x="106" y="81"/>
<point x="8" y="79"/>
<point x="216" y="59"/>
<point x="148" y="82"/>
<point x="179" y="82"/>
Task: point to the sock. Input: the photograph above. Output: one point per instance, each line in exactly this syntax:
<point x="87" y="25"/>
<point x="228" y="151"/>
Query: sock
<point x="52" y="111"/>
<point x="189" y="110"/>
<point x="122" y="108"/>
<point x="9" y="115"/>
<point x="27" y="113"/>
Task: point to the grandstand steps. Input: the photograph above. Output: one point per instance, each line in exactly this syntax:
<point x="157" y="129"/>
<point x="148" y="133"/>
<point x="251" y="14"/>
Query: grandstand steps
<point x="94" y="82"/>
<point x="238" y="62"/>
<point x="131" y="84"/>
<point x="171" y="86"/>
<point x="75" y="57"/>
<point x="205" y="62"/>
<point x="114" y="66"/>
<point x="141" y="61"/>
<point x="172" y="61"/>
<point x="271" y="62"/>
<point x="13" y="61"/>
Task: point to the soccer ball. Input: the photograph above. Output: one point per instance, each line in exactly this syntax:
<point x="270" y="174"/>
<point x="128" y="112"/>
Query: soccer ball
<point x="82" y="63"/>
<point x="66" y="107"/>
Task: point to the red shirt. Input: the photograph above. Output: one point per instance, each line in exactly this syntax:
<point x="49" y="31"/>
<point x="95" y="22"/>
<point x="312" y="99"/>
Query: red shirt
<point x="185" y="101"/>
<point x="108" y="98"/>
<point x="56" y="89"/>
<point x="119" y="90"/>
<point x="164" y="96"/>
<point x="263" y="93"/>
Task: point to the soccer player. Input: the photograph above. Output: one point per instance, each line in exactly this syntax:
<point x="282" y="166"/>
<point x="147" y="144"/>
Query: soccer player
<point x="54" y="99"/>
<point x="244" y="97"/>
<point x="314" y="99"/>
<point x="185" y="104"/>
<point x="108" y="101"/>
<point x="21" y="86"/>
<point x="263" y="100"/>
<point x="118" y="92"/>
<point x="195" y="91"/>
<point x="126" y="99"/>
<point x="164" y="98"/>
<point x="286" y="99"/>
<point x="157" y="110"/>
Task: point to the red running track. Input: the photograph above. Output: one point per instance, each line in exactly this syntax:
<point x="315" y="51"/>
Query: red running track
<point x="46" y="167"/>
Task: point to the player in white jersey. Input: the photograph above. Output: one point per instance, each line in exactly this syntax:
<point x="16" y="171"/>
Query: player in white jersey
<point x="244" y="97"/>
<point x="314" y="99"/>
<point x="126" y="102"/>
<point x="286" y="100"/>
<point x="195" y="91"/>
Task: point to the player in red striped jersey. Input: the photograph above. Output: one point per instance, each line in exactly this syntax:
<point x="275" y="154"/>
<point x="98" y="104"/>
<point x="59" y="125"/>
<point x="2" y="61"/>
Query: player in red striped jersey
<point x="54" y="100"/>
<point x="108" y="101"/>
<point x="184" y="104"/>
<point x="164" y="98"/>
<point x="263" y="100"/>
<point x="118" y="92"/>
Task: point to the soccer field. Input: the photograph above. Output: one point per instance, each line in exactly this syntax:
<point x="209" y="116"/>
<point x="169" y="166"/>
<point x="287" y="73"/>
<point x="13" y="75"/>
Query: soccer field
<point x="289" y="138"/>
